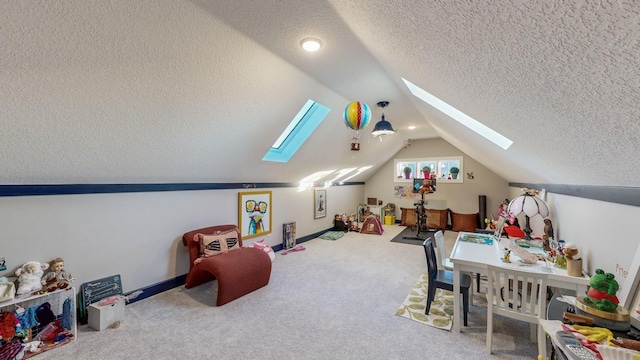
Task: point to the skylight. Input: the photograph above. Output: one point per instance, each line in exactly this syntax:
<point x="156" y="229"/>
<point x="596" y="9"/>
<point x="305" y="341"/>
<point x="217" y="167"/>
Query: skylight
<point x="297" y="132"/>
<point x="459" y="116"/>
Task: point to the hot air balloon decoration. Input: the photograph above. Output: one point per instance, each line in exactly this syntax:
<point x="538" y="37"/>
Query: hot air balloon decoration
<point x="357" y="116"/>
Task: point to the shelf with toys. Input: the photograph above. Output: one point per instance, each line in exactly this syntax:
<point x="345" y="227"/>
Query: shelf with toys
<point x="42" y="315"/>
<point x="42" y="321"/>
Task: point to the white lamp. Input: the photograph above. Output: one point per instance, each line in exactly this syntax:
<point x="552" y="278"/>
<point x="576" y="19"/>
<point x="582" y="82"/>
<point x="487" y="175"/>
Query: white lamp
<point x="530" y="205"/>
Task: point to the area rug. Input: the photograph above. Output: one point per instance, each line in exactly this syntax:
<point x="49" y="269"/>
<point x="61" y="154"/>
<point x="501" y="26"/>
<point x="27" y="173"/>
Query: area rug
<point x="441" y="312"/>
<point x="332" y="235"/>
<point x="407" y="232"/>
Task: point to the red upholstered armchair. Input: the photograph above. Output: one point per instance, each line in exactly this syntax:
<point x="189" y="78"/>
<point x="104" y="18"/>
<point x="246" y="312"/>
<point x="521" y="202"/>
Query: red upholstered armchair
<point x="238" y="272"/>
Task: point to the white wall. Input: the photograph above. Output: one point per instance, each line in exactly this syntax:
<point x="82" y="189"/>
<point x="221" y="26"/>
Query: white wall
<point x="139" y="235"/>
<point x="603" y="232"/>
<point x="461" y="198"/>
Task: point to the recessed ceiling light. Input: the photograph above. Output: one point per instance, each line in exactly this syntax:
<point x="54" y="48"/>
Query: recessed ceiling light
<point x="311" y="44"/>
<point x="411" y="127"/>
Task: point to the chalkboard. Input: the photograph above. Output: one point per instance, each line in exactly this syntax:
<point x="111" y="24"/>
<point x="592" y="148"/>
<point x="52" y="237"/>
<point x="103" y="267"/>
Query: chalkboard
<point x="96" y="290"/>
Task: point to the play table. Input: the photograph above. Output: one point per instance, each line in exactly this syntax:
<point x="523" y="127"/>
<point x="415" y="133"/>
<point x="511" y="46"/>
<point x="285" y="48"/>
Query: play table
<point x="472" y="253"/>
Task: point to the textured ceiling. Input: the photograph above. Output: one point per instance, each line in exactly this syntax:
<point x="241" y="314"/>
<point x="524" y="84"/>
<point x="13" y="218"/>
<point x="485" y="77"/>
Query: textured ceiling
<point x="196" y="91"/>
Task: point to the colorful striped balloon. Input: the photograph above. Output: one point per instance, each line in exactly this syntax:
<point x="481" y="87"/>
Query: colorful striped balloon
<point x="357" y="115"/>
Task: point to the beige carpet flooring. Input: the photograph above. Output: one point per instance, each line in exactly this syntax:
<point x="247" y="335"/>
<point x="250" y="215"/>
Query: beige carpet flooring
<point x="335" y="300"/>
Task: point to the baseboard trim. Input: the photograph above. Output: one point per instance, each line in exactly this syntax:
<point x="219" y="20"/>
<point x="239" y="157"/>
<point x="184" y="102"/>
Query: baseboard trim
<point x="157" y="288"/>
<point x="300" y="240"/>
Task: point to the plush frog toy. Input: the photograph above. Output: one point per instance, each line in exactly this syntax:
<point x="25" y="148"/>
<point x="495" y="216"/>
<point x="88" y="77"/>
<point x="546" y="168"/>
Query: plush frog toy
<point x="602" y="293"/>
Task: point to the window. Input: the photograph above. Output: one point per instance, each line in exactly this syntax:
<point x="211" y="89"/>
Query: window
<point x="298" y="131"/>
<point x="446" y="169"/>
<point x="459" y="116"/>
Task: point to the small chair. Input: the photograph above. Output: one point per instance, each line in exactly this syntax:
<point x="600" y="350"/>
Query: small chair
<point x="520" y="295"/>
<point x="443" y="279"/>
<point x="443" y="260"/>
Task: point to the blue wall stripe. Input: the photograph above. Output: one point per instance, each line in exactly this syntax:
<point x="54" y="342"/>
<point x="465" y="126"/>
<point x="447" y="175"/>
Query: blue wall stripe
<point x="70" y="189"/>
<point x="615" y="194"/>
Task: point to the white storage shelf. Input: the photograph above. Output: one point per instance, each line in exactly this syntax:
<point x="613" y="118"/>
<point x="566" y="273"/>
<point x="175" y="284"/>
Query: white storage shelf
<point x="63" y="306"/>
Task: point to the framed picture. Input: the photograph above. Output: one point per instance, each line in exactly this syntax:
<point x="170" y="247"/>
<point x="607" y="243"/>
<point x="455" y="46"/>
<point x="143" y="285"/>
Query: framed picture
<point x="254" y="213"/>
<point x="319" y="203"/>
<point x="289" y="235"/>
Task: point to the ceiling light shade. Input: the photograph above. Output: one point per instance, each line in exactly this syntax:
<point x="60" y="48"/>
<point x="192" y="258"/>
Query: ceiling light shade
<point x="530" y="205"/>
<point x="311" y="44"/>
<point x="383" y="127"/>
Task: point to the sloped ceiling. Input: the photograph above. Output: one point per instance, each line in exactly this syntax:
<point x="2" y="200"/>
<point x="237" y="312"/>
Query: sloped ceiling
<point x="197" y="91"/>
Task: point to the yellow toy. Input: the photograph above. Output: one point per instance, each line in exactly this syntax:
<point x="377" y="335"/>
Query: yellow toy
<point x="595" y="334"/>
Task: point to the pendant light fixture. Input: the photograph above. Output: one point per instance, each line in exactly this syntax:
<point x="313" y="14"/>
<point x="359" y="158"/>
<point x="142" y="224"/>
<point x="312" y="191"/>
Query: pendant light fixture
<point x="383" y="127"/>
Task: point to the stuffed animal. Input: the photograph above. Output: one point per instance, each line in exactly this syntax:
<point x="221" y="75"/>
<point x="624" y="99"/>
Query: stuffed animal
<point x="602" y="293"/>
<point x="571" y="252"/>
<point x="262" y="245"/>
<point x="29" y="277"/>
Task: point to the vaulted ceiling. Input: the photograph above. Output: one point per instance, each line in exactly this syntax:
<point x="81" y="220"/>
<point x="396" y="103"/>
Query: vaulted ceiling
<point x="197" y="91"/>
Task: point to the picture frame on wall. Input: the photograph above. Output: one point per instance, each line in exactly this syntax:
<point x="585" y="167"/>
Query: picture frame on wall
<point x="254" y="213"/>
<point x="319" y="203"/>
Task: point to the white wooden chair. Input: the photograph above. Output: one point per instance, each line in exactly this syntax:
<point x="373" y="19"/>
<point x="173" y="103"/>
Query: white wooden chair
<point x="520" y="295"/>
<point x="443" y="260"/>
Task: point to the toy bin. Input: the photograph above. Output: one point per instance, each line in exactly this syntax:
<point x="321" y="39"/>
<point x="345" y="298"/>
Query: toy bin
<point x="104" y="314"/>
<point x="389" y="220"/>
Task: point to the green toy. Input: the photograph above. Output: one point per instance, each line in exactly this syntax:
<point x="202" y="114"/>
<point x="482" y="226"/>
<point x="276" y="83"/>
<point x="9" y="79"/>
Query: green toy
<point x="602" y="293"/>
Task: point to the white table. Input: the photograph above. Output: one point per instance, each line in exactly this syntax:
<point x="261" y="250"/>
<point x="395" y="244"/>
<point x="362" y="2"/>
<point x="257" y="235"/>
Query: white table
<point x="474" y="257"/>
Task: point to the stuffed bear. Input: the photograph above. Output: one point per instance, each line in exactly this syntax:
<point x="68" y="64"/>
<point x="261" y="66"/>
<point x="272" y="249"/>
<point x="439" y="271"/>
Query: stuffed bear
<point x="571" y="252"/>
<point x="29" y="277"/>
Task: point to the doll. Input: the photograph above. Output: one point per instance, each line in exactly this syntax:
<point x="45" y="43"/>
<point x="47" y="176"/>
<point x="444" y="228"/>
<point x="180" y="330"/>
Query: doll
<point x="56" y="277"/>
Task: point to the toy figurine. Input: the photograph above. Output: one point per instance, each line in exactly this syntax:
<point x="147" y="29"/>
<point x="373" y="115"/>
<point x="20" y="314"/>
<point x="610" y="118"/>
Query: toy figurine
<point x="548" y="234"/>
<point x="548" y="228"/>
<point x="502" y="209"/>
<point x="506" y="257"/>
<point x="56" y="277"/>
